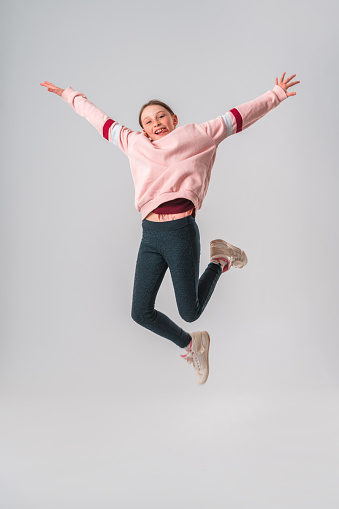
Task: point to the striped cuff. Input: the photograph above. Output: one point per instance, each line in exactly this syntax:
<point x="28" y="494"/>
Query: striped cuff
<point x="114" y="132"/>
<point x="238" y="119"/>
<point x="228" y="123"/>
<point x="106" y="127"/>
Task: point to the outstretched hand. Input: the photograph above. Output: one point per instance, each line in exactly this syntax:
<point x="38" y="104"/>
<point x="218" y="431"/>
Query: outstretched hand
<point x="283" y="84"/>
<point x="52" y="88"/>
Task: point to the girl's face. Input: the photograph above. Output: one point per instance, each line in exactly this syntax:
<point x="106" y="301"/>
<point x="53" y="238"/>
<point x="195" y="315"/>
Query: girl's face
<point x="157" y="122"/>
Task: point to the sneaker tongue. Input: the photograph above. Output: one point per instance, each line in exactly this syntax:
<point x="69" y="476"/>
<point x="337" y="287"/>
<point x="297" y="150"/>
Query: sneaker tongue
<point x="187" y="356"/>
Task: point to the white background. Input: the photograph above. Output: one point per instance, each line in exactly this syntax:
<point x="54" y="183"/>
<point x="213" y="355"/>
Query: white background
<point x="95" y="410"/>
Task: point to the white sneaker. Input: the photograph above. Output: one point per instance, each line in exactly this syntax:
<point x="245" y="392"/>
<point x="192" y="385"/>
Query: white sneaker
<point x="221" y="249"/>
<point x="198" y="355"/>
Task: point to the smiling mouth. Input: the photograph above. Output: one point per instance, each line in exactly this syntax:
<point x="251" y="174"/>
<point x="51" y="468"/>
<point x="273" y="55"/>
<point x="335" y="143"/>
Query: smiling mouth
<point x="161" y="131"/>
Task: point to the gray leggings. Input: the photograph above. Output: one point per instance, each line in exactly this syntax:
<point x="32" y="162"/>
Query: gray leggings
<point x="174" y="244"/>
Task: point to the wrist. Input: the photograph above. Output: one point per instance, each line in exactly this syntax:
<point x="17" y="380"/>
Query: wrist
<point x="280" y="92"/>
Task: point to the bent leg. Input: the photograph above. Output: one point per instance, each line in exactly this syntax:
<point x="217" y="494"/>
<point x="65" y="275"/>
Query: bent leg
<point x="192" y="293"/>
<point x="150" y="271"/>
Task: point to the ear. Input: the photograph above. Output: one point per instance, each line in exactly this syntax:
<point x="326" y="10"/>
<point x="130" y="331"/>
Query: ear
<point x="175" y="120"/>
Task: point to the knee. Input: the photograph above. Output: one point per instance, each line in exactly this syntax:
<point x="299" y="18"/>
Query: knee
<point x="188" y="315"/>
<point x="139" y="315"/>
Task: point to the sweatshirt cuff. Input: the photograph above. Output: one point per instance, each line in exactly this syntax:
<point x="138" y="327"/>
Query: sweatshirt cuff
<point x="67" y="94"/>
<point x="280" y="92"/>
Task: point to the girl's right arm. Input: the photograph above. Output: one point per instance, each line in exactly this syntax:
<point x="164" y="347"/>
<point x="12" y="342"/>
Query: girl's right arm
<point x="105" y="125"/>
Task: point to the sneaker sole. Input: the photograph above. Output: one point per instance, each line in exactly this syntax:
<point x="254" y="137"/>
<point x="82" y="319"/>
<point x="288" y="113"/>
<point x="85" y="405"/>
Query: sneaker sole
<point x="220" y="248"/>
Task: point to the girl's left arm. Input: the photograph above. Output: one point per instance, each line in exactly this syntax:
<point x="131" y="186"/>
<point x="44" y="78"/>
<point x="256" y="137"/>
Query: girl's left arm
<point x="243" y="116"/>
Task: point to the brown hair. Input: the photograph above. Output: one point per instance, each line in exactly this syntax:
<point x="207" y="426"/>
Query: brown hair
<point x="150" y="103"/>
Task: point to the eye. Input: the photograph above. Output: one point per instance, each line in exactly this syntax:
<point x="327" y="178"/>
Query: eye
<point x="161" y="116"/>
<point x="148" y="122"/>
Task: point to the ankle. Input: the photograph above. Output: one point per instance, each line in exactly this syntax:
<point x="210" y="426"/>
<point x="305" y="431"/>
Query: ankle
<point x="189" y="346"/>
<point x="222" y="262"/>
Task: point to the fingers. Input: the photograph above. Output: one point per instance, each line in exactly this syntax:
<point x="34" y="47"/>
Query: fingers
<point x="286" y="86"/>
<point x="293" y="83"/>
<point x="288" y="79"/>
<point x="52" y="88"/>
<point x="48" y="84"/>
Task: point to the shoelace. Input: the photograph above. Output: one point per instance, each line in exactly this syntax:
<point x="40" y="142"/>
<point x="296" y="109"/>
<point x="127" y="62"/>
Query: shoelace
<point x="192" y="357"/>
<point x="196" y="363"/>
<point x="188" y="357"/>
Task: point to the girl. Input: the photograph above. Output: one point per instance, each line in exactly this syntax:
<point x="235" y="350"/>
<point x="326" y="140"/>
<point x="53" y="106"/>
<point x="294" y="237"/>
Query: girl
<point x="171" y="169"/>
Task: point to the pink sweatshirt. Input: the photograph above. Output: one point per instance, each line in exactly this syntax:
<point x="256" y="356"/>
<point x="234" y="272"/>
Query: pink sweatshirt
<point x="179" y="164"/>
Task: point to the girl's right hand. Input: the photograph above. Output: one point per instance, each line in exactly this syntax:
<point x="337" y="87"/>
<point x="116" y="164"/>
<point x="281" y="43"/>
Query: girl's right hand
<point x="52" y="88"/>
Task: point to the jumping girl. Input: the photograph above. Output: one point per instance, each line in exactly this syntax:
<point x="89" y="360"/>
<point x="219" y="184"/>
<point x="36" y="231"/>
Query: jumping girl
<point x="171" y="169"/>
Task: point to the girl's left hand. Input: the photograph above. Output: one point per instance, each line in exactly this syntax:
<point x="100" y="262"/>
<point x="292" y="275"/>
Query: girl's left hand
<point x="283" y="84"/>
